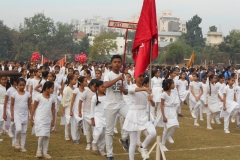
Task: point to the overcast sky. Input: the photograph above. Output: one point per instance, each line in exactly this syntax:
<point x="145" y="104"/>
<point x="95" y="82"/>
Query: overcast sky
<point x="225" y="14"/>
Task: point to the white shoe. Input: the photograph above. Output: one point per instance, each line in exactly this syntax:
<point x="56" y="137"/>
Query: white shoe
<point x="209" y="128"/>
<point x="227" y="131"/>
<point x="115" y="130"/>
<point x="143" y="152"/>
<point x="47" y="156"/>
<point x="170" y="140"/>
<point x="233" y="119"/>
<point x="201" y="119"/>
<point x="102" y="153"/>
<point x="67" y="138"/>
<point x="218" y="122"/>
<point x="39" y="154"/>
<point x="212" y="121"/>
<point x="193" y="115"/>
<point x="23" y="150"/>
<point x="165" y="148"/>
<point x="88" y="147"/>
<point x="17" y="146"/>
<point x="196" y="124"/>
<point x="94" y="147"/>
<point x="10" y="133"/>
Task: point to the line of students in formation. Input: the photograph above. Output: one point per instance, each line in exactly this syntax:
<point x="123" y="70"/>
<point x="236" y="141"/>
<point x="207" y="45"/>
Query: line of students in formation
<point x="95" y="106"/>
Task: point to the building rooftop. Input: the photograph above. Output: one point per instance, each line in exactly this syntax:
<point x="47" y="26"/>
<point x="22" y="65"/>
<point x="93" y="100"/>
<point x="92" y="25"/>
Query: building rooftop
<point x="170" y="33"/>
<point x="79" y="35"/>
<point x="163" y="44"/>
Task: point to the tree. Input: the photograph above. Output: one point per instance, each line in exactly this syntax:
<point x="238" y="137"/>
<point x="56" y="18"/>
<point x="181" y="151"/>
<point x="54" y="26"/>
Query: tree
<point x="103" y="44"/>
<point x="174" y="54"/>
<point x="6" y="42"/>
<point x="212" y="29"/>
<point x="84" y="45"/>
<point x="194" y="36"/>
<point x="231" y="43"/>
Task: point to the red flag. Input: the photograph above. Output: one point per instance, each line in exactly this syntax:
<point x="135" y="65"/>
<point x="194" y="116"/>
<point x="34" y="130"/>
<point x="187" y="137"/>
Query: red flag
<point x="146" y="33"/>
<point x="62" y="61"/>
<point x="44" y="60"/>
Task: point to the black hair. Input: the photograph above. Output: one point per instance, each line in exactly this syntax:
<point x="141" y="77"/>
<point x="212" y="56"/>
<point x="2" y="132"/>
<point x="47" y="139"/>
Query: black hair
<point x="80" y="80"/>
<point x="57" y="66"/>
<point x="204" y="76"/>
<point x="180" y="76"/>
<point x="84" y="67"/>
<point x="54" y="76"/>
<point x="117" y="57"/>
<point x="210" y="78"/>
<point x="69" y="78"/>
<point x="98" y="71"/>
<point x="221" y="76"/>
<point x="70" y="69"/>
<point x="146" y="80"/>
<point x="44" y="76"/>
<point x="22" y="70"/>
<point x="21" y="80"/>
<point x="75" y="71"/>
<point x="47" y="85"/>
<point x="98" y="84"/>
<point x="92" y="82"/>
<point x="29" y="73"/>
<point x="155" y="72"/>
<point x="196" y="74"/>
<point x="88" y="72"/>
<point x="13" y="79"/>
<point x="167" y="83"/>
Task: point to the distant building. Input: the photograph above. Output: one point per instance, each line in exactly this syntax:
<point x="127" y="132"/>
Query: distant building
<point x="78" y="36"/>
<point x="166" y="21"/>
<point x="94" y="26"/>
<point x="214" y="38"/>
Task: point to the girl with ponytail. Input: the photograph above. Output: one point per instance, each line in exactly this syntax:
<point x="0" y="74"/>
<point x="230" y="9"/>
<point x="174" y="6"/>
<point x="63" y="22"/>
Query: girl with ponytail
<point x="76" y="120"/>
<point x="98" y="118"/>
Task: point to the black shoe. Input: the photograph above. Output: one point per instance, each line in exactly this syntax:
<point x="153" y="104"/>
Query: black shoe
<point x="124" y="144"/>
<point x="109" y="158"/>
<point x="180" y="115"/>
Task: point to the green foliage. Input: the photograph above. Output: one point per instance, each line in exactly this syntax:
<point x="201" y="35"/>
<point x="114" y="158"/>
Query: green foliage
<point x="194" y="36"/>
<point x="213" y="29"/>
<point x="103" y="44"/>
<point x="174" y="54"/>
<point x="231" y="43"/>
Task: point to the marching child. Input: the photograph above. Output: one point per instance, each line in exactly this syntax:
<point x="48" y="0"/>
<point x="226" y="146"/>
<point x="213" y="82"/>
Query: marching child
<point x="168" y="118"/>
<point x="137" y="117"/>
<point x="182" y="88"/>
<point x="76" y="120"/>
<point x="195" y="94"/>
<point x="85" y="110"/>
<point x="38" y="88"/>
<point x="156" y="85"/>
<point x="44" y="111"/>
<point x="66" y="102"/>
<point x="3" y="84"/>
<point x="98" y="118"/>
<point x="7" y="113"/>
<point x="31" y="75"/>
<point x="230" y="105"/>
<point x="20" y="103"/>
<point x="213" y="102"/>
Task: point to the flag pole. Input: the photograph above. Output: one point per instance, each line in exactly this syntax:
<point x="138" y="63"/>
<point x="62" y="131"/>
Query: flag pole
<point x="124" y="54"/>
<point x="42" y="59"/>
<point x="150" y="78"/>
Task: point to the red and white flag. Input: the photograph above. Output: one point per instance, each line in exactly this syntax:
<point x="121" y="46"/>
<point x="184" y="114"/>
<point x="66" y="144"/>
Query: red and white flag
<point x="44" y="60"/>
<point x="146" y="34"/>
<point x="62" y="61"/>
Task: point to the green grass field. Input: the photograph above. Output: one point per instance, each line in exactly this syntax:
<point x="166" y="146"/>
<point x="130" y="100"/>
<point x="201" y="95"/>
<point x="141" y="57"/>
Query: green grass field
<point x="191" y="143"/>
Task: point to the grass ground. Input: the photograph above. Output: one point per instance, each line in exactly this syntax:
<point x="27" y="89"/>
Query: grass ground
<point x="191" y="143"/>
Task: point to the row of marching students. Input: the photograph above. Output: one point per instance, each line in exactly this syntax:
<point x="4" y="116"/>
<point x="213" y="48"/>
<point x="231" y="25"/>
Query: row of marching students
<point x="216" y="99"/>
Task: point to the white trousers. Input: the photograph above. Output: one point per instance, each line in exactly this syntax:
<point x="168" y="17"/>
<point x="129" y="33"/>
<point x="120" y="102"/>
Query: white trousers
<point x="118" y="117"/>
<point x="21" y="133"/>
<point x="227" y="117"/>
<point x="1" y="126"/>
<point x="168" y="133"/>
<point x="134" y="139"/>
<point x="75" y="129"/>
<point x="43" y="143"/>
<point x="110" y="115"/>
<point x="67" y="128"/>
<point x="57" y="104"/>
<point x="99" y="137"/>
<point x="87" y="130"/>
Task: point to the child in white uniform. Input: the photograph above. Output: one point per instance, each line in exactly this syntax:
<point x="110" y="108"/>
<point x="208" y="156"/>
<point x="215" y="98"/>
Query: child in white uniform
<point x="98" y="118"/>
<point x="168" y="119"/>
<point x="3" y="83"/>
<point x="213" y="102"/>
<point x="20" y="103"/>
<point x="44" y="111"/>
<point x="182" y="88"/>
<point x="137" y="117"/>
<point x="238" y="101"/>
<point x="230" y="105"/>
<point x="7" y="113"/>
<point x="76" y="120"/>
<point x="86" y="109"/>
<point x="66" y="102"/>
<point x="34" y="82"/>
<point x="195" y="94"/>
<point x="156" y="85"/>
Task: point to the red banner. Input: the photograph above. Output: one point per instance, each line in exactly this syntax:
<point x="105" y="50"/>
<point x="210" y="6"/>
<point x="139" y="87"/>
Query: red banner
<point x="62" y="61"/>
<point x="44" y="60"/>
